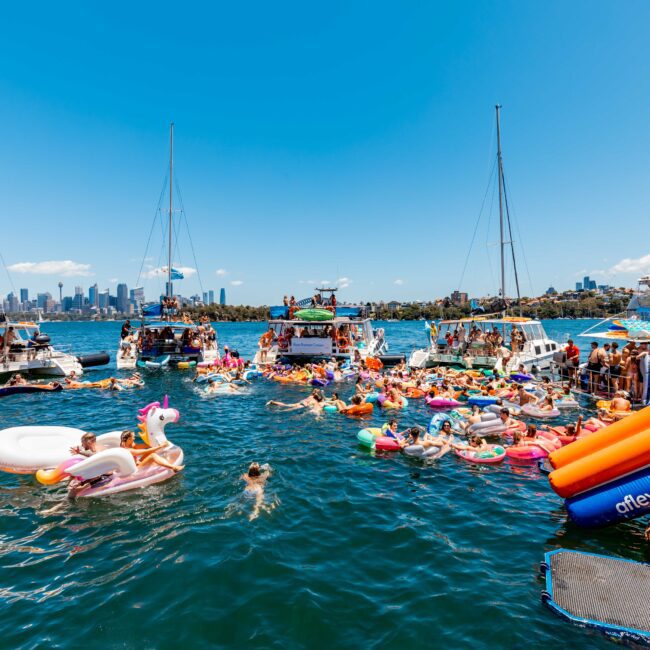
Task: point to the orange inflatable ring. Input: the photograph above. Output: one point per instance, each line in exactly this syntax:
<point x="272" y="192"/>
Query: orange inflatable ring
<point x="374" y="364"/>
<point x="358" y="409"/>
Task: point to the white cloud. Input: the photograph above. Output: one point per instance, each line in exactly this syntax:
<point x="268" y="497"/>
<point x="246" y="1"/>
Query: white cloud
<point x="398" y="282"/>
<point x="221" y="272"/>
<point x="324" y="282"/>
<point x="113" y="280"/>
<point x="236" y="283"/>
<point x="344" y="283"/>
<point x="65" y="268"/>
<point x="161" y="271"/>
<point x="632" y="265"/>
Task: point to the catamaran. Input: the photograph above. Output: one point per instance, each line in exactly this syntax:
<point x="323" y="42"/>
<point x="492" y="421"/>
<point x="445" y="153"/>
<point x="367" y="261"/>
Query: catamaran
<point x="166" y="336"/>
<point x="485" y="341"/>
<point x="311" y="331"/>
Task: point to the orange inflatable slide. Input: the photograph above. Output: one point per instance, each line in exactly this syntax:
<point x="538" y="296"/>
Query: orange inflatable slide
<point x="606" y="455"/>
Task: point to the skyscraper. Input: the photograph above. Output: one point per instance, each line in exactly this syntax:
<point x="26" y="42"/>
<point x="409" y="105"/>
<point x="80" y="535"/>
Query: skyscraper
<point x="93" y="295"/>
<point x="122" y="298"/>
<point x="78" y="300"/>
<point x="205" y="298"/>
<point x="24" y="295"/>
<point x="578" y="286"/>
<point x="222" y="296"/>
<point x="103" y="299"/>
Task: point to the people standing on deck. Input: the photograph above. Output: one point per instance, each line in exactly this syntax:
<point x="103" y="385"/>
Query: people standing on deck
<point x="572" y="358"/>
<point x="126" y="329"/>
<point x="593" y="366"/>
<point x="265" y="342"/>
<point x="615" y="358"/>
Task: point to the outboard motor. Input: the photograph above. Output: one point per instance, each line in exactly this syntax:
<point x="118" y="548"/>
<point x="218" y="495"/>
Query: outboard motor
<point x="92" y="360"/>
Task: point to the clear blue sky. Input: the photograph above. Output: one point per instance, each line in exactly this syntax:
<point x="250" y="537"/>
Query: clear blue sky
<point x="325" y="140"/>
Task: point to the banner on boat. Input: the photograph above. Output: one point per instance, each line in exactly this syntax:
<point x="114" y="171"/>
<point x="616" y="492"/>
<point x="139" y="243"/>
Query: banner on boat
<point x="311" y="346"/>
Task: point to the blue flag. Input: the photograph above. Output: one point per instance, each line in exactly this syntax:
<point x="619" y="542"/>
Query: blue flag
<point x="176" y="274"/>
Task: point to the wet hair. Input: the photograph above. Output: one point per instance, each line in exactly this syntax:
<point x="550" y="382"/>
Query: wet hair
<point x="505" y="412"/>
<point x="125" y="436"/>
<point x="356" y="400"/>
<point x="318" y="396"/>
<point x="532" y="428"/>
<point x="570" y="428"/>
<point x="254" y="470"/>
<point x="415" y="432"/>
<point x="517" y="437"/>
<point x="87" y="438"/>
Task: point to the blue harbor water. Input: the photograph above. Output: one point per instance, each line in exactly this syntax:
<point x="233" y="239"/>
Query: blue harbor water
<point x="352" y="550"/>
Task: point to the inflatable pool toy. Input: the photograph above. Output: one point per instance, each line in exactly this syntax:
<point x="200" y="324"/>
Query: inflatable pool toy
<point x="566" y="403"/>
<point x="371" y="398"/>
<point x="418" y="451"/>
<point x="184" y="365"/>
<point x="493" y="454"/>
<point x="55" y="387"/>
<point x="386" y="443"/>
<point x="534" y="412"/>
<point x="330" y="408"/>
<point x="154" y="365"/>
<point x="532" y="452"/>
<point x="387" y="404"/>
<point x="521" y="378"/>
<point x="313" y="314"/>
<point x="367" y="438"/>
<point x="481" y="400"/>
<point x="358" y="409"/>
<point x="514" y="409"/>
<point x="115" y="467"/>
<point x="25" y="450"/>
<point x="441" y="402"/>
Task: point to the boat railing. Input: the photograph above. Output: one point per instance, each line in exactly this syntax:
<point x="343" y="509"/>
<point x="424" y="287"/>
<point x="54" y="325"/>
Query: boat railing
<point x="21" y="353"/>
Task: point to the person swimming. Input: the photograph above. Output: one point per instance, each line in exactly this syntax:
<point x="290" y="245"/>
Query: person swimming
<point x="255" y="479"/>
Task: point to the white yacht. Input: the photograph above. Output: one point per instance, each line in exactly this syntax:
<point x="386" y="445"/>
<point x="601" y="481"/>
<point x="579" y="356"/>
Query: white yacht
<point x="323" y="331"/>
<point x="25" y="350"/>
<point x="534" y="349"/>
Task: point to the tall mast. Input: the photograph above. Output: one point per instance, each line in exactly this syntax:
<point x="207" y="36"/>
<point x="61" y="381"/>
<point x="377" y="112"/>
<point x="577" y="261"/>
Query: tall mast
<point x="501" y="225"/>
<point x="171" y="185"/>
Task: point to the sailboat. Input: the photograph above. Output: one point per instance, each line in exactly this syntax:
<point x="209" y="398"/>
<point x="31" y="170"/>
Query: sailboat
<point x="166" y="337"/>
<point x="469" y="342"/>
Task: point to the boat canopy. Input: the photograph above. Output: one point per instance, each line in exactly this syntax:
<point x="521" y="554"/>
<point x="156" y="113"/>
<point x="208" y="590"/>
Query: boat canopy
<point x="282" y="312"/>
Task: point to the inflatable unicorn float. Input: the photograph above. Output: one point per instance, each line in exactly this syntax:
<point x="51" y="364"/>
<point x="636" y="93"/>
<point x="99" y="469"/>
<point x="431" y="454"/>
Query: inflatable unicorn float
<point x="46" y="452"/>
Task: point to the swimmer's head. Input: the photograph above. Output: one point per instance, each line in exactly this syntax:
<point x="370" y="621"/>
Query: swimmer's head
<point x="254" y="470"/>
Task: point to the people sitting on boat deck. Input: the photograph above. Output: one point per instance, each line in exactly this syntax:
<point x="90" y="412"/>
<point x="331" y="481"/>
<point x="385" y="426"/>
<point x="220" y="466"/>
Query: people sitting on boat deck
<point x="146" y="455"/>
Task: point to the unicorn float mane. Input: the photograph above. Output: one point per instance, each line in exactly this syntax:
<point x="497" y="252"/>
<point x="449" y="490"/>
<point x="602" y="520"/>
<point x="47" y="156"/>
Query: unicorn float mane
<point x="152" y="428"/>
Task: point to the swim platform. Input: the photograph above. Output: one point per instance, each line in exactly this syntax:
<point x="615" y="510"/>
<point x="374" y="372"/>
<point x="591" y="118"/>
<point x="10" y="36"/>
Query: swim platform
<point x="601" y="592"/>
